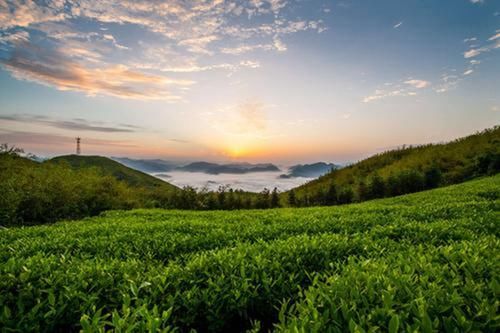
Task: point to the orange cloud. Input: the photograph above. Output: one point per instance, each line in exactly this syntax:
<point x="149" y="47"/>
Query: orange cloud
<point x="52" y="67"/>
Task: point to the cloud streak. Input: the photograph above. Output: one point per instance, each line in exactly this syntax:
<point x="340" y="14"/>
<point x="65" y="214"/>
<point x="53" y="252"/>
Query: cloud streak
<point x="405" y="88"/>
<point x="73" y="125"/>
<point x="22" y="138"/>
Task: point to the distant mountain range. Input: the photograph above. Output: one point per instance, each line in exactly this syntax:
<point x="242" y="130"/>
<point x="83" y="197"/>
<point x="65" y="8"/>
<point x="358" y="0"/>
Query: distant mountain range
<point x="162" y="166"/>
<point x="234" y="168"/>
<point x="314" y="170"/>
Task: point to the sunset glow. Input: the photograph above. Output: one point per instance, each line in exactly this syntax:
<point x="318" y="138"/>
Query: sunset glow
<point x="270" y="80"/>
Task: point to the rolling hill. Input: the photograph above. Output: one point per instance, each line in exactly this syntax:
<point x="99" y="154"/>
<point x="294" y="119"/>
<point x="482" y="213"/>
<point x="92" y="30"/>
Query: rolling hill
<point x="121" y="172"/>
<point x="409" y="169"/>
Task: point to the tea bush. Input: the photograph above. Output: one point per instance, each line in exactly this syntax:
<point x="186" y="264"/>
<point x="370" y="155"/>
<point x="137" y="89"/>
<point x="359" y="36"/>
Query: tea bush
<point x="421" y="262"/>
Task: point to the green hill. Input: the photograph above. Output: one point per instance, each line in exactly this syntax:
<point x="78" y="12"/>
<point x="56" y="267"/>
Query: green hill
<point x="425" y="262"/>
<point x="71" y="187"/>
<point x="405" y="170"/>
<point x="121" y="172"/>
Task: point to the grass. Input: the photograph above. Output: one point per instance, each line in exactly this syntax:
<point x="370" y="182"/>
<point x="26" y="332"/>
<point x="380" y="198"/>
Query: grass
<point x="422" y="262"/>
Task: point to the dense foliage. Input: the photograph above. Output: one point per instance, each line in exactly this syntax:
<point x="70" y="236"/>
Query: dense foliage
<point x="404" y="170"/>
<point x="421" y="262"/>
<point x="79" y="186"/>
<point x="32" y="192"/>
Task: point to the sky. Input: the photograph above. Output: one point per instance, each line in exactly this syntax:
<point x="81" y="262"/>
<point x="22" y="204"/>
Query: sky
<point x="283" y="81"/>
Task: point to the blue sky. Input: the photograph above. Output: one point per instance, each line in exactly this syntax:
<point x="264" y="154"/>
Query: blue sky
<point x="259" y="80"/>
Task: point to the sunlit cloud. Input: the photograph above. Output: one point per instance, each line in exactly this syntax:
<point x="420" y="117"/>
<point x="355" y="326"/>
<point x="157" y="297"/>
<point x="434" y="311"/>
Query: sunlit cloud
<point x="52" y="67"/>
<point x="247" y="48"/>
<point x="405" y="88"/>
<point x="419" y="84"/>
<point x="495" y="36"/>
<point x="474" y="52"/>
<point x="178" y="37"/>
<point x="495" y="44"/>
<point x="25" y="13"/>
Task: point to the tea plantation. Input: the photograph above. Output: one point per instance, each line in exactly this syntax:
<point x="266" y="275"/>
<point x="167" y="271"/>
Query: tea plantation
<point x="425" y="262"/>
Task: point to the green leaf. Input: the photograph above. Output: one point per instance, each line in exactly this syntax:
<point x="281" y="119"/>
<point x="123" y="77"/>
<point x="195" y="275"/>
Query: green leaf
<point x="394" y="324"/>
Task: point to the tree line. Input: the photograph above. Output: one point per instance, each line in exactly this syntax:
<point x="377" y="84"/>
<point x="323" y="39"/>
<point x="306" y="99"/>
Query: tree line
<point x="33" y="193"/>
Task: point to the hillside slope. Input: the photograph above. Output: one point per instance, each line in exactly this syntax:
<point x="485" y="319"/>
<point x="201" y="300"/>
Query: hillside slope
<point x="121" y="172"/>
<point x="421" y="262"/>
<point x="407" y="170"/>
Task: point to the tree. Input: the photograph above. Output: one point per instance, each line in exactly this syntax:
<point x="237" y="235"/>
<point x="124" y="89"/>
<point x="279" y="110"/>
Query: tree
<point x="263" y="199"/>
<point x="292" y="199"/>
<point x="346" y="195"/>
<point x="488" y="163"/>
<point x="275" y="199"/>
<point x="393" y="187"/>
<point x="10" y="150"/>
<point x="331" y="195"/>
<point x="363" y="192"/>
<point x="230" y="200"/>
<point x="432" y="177"/>
<point x="377" y="186"/>
<point x="318" y="198"/>
<point x="221" y="197"/>
<point x="410" y="181"/>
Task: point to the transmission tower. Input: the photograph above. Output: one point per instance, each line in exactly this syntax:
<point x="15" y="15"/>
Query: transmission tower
<point x="78" y="150"/>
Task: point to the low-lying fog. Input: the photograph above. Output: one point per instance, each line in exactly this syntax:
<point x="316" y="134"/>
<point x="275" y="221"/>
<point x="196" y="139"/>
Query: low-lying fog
<point x="254" y="182"/>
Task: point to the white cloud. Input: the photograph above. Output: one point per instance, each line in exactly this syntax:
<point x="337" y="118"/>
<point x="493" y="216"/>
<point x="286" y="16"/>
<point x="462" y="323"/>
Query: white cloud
<point x="403" y="88"/>
<point x="473" y="53"/>
<point x="419" y="84"/>
<point x="448" y="82"/>
<point x="495" y="44"/>
<point x="477" y="1"/>
<point x="398" y="25"/>
<point x="247" y="48"/>
<point x="468" y="72"/>
<point x="199" y="44"/>
<point x="279" y="45"/>
<point x="495" y="37"/>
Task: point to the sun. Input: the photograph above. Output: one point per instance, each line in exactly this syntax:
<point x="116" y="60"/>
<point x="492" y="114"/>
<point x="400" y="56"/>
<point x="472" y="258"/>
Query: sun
<point x="236" y="152"/>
